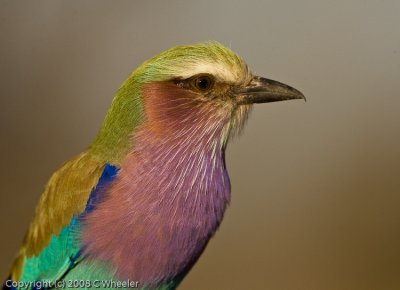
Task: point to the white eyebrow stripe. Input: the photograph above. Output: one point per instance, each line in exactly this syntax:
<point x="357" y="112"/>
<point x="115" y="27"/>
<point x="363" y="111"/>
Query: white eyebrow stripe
<point x="217" y="69"/>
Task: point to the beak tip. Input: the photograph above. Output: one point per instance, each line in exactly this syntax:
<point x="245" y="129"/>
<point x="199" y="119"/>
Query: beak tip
<point x="296" y="95"/>
<point x="303" y="97"/>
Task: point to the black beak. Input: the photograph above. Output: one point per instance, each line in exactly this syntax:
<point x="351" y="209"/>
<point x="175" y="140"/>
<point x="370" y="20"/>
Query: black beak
<point x="261" y="90"/>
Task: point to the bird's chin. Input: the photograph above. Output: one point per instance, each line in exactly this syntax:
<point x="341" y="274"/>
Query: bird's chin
<point x="237" y="121"/>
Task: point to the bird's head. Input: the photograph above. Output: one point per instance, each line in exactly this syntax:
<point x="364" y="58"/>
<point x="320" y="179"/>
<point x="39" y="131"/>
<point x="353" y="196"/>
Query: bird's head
<point x="204" y="86"/>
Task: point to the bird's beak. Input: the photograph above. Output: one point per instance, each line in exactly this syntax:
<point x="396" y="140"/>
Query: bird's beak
<point x="262" y="90"/>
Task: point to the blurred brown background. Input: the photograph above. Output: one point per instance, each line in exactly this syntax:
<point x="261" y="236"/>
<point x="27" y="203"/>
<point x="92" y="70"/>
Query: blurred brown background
<point x="315" y="202"/>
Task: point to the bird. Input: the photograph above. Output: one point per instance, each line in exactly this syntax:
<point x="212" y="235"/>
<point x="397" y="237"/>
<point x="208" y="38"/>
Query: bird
<point x="140" y="204"/>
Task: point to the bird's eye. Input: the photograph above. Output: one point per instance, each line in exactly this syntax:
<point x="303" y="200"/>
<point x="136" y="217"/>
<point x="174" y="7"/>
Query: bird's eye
<point x="203" y="82"/>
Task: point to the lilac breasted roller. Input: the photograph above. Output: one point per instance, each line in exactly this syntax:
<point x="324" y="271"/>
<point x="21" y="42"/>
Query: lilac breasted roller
<point x="141" y="203"/>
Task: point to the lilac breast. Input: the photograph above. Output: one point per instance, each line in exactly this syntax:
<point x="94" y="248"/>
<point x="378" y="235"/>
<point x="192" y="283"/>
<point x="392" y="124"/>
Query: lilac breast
<point x="166" y="202"/>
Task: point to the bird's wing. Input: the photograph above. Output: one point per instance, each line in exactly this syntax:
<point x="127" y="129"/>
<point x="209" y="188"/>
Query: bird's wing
<point x="51" y="246"/>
